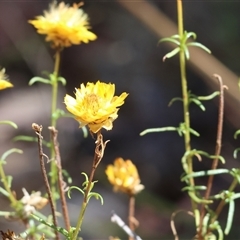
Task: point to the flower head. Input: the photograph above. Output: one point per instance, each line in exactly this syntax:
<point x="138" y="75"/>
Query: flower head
<point x="4" y="83"/>
<point x="95" y="105"/>
<point x="123" y="175"/>
<point x="64" y="25"/>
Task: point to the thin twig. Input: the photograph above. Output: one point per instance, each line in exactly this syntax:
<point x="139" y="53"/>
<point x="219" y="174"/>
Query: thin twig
<point x="217" y="148"/>
<point x="116" y="219"/>
<point x="131" y="214"/>
<point x="38" y="131"/>
<point x="61" y="184"/>
<point x="99" y="152"/>
<point x="172" y="223"/>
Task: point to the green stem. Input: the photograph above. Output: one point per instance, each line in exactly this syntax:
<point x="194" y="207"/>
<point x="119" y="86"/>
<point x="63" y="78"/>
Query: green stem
<point x="54" y="122"/>
<point x="6" y="186"/>
<point x="55" y="88"/>
<point x="84" y="204"/>
<point x="182" y="60"/>
<point x="99" y="151"/>
<point x="80" y="220"/>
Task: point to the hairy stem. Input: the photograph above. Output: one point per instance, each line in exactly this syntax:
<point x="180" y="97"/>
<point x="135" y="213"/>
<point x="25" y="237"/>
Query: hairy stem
<point x="182" y="60"/>
<point x="38" y="131"/>
<point x="61" y="183"/>
<point x="54" y="122"/>
<point x="217" y="149"/>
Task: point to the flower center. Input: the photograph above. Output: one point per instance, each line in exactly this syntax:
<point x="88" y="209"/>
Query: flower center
<point x="92" y="102"/>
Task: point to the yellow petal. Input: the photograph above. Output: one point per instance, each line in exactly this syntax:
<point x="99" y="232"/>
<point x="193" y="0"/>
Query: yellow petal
<point x="5" y="84"/>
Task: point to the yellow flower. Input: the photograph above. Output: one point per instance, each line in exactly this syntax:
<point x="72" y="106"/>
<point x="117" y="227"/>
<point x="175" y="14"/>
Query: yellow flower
<point x="123" y="175"/>
<point x="95" y="105"/>
<point x="4" y="83"/>
<point x="64" y="25"/>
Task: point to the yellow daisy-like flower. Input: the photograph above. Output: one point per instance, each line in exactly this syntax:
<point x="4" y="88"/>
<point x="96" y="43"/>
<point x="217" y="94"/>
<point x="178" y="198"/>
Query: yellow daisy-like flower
<point x="4" y="83"/>
<point x="64" y="25"/>
<point x="123" y="175"/>
<point x="95" y="105"/>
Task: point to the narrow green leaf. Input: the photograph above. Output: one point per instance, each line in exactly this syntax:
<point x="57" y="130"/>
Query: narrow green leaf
<point x="174" y="100"/>
<point x="10" y="151"/>
<point x="74" y="187"/>
<point x="39" y="79"/>
<point x="229" y="217"/>
<point x="220" y="158"/>
<point x="96" y="195"/>
<point x="196" y="44"/>
<point x="205" y="173"/>
<point x="14" y="125"/>
<point x="175" y="36"/>
<point x="172" y="53"/>
<point x="59" y="229"/>
<point x="193" y="188"/>
<point x="209" y="97"/>
<point x="186" y="52"/>
<point x="198" y="103"/>
<point x="191" y="34"/>
<point x="85" y="131"/>
<point x="236" y="152"/>
<point x="30" y="139"/>
<point x="25" y="138"/>
<point x="205" y="224"/>
<point x="199" y="200"/>
<point x="220" y="233"/>
<point x="236" y="134"/>
<point x="235" y="196"/>
<point x="62" y="80"/>
<point x="193" y="132"/>
<point x="169" y="40"/>
<point x="5" y="214"/>
<point x="236" y="174"/>
<point x="4" y="192"/>
<point x="153" y="130"/>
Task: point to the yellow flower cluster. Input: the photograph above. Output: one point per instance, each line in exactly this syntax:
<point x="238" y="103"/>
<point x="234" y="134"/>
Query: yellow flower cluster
<point x="123" y="175"/>
<point x="64" y="25"/>
<point x="4" y="83"/>
<point x="95" y="105"/>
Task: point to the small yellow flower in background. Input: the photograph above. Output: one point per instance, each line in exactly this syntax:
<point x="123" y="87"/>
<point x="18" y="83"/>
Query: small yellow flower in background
<point x="123" y="175"/>
<point x="95" y="105"/>
<point x="64" y="25"/>
<point x="4" y="83"/>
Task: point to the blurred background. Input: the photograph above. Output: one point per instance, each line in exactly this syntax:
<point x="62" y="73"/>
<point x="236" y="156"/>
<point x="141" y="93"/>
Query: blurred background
<point x="127" y="54"/>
